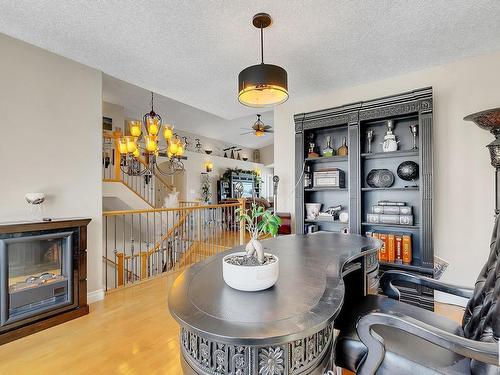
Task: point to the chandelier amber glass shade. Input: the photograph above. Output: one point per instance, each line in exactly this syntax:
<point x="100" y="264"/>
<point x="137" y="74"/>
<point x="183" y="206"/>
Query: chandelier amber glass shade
<point x="263" y="85"/>
<point x="135" y="128"/>
<point x="131" y="144"/>
<point x="122" y="146"/>
<point x="168" y="132"/>
<point x="151" y="143"/>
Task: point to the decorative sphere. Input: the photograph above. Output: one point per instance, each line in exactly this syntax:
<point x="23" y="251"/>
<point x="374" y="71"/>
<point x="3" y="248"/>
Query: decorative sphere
<point x="408" y="171"/>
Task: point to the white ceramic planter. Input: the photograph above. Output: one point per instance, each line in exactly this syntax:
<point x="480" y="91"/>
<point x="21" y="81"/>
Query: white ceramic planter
<point x="250" y="278"/>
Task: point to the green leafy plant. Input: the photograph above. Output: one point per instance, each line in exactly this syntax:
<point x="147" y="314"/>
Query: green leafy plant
<point x="258" y="221"/>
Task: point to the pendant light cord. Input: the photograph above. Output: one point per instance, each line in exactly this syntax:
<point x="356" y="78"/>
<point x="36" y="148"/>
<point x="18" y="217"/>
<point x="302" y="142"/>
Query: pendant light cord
<point x="261" y="44"/>
<point x="152" y="102"/>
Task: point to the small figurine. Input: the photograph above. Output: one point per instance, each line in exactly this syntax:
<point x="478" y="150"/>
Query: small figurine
<point x="311" y="153"/>
<point x="390" y="143"/>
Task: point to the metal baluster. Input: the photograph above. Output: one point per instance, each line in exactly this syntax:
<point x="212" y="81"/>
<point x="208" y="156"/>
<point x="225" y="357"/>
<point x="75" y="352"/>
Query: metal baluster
<point x="132" y="245"/>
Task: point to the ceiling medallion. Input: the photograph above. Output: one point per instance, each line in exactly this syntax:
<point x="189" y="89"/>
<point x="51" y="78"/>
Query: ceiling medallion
<point x="262" y="85"/>
<point x="139" y="151"/>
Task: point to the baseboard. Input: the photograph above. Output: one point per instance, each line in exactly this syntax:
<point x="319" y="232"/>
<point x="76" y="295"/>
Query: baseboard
<point x="96" y="295"/>
<point x="450" y="299"/>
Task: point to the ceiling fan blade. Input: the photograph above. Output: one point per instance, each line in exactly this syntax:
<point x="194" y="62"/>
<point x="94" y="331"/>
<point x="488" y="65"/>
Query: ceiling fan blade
<point x="268" y="131"/>
<point x="267" y="127"/>
<point x="247" y="133"/>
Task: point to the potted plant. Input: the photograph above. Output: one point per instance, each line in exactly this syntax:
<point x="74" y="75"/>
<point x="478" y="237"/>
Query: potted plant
<point x="252" y="269"/>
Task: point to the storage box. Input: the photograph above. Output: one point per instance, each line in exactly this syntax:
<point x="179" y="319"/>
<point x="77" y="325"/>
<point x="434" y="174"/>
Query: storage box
<point x="392" y="210"/>
<point x="329" y="178"/>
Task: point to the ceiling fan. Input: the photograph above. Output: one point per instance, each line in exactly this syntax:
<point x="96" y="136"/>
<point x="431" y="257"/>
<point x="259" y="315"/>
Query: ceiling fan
<point x="259" y="129"/>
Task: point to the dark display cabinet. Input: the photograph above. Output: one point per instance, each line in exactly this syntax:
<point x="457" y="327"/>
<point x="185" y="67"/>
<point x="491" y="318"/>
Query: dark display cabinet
<point x="354" y="121"/>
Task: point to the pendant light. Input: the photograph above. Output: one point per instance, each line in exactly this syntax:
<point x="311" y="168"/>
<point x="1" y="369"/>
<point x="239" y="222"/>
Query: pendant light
<point x="262" y="85"/>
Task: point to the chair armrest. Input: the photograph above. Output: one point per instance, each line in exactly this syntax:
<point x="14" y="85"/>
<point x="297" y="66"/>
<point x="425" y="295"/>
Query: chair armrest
<point x="386" y="283"/>
<point x="481" y="351"/>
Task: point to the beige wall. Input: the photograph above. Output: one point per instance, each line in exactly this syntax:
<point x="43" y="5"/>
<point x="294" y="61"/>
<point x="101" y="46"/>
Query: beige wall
<point x="267" y="155"/>
<point x="50" y="117"/>
<point x="463" y="177"/>
<point x="116" y="113"/>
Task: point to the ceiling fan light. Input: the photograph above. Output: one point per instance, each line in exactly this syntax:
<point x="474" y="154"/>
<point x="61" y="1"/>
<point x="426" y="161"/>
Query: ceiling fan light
<point x="259" y="133"/>
<point x="262" y="85"/>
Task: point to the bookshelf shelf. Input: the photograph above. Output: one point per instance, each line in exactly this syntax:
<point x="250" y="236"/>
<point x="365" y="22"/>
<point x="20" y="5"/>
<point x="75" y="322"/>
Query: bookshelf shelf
<point x="410" y="188"/>
<point x="316" y="221"/>
<point x="325" y="189"/>
<point x="327" y="159"/>
<point x="390" y="225"/>
<point x="393" y="154"/>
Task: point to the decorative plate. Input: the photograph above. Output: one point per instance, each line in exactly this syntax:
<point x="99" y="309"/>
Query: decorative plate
<point x="408" y="171"/>
<point x="380" y="178"/>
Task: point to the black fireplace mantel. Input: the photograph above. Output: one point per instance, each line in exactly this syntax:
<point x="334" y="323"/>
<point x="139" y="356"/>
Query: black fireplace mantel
<point x="76" y="230"/>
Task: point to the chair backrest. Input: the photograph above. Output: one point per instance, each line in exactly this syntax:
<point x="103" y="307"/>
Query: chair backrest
<point x="481" y="320"/>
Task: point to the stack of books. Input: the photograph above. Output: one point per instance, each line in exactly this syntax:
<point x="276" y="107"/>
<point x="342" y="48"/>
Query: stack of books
<point x="388" y="212"/>
<point x="396" y="247"/>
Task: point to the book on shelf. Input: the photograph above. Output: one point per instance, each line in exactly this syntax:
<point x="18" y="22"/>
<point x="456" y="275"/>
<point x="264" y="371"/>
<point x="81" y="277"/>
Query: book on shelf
<point x="407" y="250"/>
<point x="392" y="210"/>
<point x="391" y="203"/>
<point x="396" y="247"/>
<point x="389" y="219"/>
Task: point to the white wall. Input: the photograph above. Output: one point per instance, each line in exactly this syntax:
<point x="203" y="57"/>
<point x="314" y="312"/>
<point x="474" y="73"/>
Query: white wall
<point x="194" y="166"/>
<point x="267" y="155"/>
<point x="116" y="113"/>
<point x="50" y="119"/>
<point x="463" y="176"/>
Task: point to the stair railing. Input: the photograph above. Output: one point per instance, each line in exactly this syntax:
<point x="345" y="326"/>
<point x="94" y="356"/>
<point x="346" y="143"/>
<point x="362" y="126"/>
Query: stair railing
<point x="143" y="244"/>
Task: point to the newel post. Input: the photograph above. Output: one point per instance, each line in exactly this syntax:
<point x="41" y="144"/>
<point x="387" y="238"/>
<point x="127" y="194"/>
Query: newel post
<point x="242" y="202"/>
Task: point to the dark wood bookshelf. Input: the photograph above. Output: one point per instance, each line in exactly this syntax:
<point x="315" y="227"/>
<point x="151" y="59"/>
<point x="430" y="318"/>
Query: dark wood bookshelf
<point x="353" y="121"/>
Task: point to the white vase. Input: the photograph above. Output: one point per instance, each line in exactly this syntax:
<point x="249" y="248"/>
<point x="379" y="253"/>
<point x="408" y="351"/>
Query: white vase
<point x="250" y="278"/>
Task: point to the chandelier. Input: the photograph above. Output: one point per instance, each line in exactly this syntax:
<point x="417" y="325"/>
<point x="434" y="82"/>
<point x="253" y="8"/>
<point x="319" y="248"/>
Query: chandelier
<point x="140" y="150"/>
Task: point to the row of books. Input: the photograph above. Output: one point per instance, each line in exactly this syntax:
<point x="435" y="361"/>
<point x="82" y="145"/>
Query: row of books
<point x="390" y="212"/>
<point x="396" y="247"/>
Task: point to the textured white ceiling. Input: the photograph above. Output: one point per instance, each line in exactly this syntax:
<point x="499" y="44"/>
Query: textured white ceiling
<point x="192" y="51"/>
<point x="136" y="102"/>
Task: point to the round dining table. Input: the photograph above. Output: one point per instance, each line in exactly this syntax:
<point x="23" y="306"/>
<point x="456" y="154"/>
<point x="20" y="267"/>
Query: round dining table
<point x="286" y="329"/>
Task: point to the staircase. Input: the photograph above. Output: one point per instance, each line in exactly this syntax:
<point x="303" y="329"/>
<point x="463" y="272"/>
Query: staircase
<point x="141" y="240"/>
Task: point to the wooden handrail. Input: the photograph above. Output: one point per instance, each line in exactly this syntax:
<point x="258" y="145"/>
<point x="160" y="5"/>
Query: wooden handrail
<point x="173" y="209"/>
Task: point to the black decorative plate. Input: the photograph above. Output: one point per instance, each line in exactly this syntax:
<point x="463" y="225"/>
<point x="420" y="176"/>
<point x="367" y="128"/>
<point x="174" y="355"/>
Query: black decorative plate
<point x="380" y="178"/>
<point x="408" y="171"/>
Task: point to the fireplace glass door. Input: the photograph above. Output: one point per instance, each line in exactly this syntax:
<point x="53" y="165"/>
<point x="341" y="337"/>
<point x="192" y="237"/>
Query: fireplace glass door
<point x="36" y="275"/>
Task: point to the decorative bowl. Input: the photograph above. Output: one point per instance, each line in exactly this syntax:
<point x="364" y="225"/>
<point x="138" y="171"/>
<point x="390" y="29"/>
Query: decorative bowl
<point x="408" y="171"/>
<point x="380" y="178"/>
<point x="250" y="278"/>
<point x="35" y="198"/>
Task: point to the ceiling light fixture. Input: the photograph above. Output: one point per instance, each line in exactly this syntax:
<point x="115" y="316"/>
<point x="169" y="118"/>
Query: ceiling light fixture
<point x="146" y="144"/>
<point x="262" y="85"/>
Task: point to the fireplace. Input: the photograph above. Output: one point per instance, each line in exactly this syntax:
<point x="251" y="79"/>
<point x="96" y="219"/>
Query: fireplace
<point x="42" y="275"/>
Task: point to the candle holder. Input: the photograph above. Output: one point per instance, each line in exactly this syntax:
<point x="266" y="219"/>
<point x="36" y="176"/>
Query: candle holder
<point x="414" y="132"/>
<point x="490" y="120"/>
<point x="369" y="138"/>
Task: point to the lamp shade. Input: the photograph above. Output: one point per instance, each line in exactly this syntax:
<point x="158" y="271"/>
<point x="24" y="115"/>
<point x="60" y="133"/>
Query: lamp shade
<point x="262" y="85"/>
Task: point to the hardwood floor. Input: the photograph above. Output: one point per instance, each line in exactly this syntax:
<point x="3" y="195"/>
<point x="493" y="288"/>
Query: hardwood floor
<point x="130" y="332"/>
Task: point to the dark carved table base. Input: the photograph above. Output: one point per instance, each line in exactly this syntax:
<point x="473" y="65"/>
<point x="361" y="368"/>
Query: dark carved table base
<point x="309" y="355"/>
